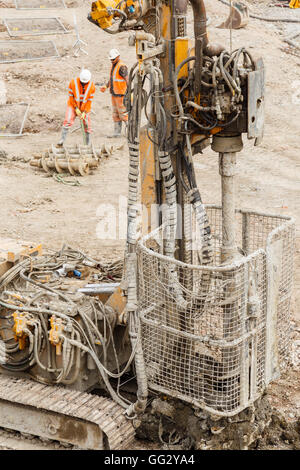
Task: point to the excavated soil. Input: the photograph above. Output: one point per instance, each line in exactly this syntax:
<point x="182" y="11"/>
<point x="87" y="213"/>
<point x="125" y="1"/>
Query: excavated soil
<point x="178" y="426"/>
<point x="35" y="207"/>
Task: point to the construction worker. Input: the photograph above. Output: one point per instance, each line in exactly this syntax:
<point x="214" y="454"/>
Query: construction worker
<point x="81" y="94"/>
<point x="117" y="85"/>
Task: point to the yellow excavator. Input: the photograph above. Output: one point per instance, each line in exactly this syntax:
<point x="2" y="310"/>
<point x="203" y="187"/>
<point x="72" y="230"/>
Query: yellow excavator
<point x="201" y="315"/>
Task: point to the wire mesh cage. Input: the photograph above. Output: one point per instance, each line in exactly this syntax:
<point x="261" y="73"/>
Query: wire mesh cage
<point x="39" y="4"/>
<point x="215" y="336"/>
<point x="18" y="51"/>
<point x="33" y="26"/>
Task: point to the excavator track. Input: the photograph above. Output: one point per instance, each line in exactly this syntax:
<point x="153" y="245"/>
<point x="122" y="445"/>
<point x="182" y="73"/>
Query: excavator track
<point x="57" y="413"/>
<point x="14" y="440"/>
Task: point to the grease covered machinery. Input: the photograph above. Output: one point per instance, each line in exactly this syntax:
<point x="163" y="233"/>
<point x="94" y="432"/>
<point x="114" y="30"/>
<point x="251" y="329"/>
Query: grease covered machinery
<point x="209" y="289"/>
<point x="202" y="310"/>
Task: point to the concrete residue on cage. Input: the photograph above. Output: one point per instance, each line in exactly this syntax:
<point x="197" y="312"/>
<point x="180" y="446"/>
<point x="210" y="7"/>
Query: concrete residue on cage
<point x="217" y="352"/>
<point x="33" y="26"/>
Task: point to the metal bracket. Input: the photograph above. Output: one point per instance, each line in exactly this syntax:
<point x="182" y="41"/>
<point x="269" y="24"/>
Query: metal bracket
<point x="256" y="103"/>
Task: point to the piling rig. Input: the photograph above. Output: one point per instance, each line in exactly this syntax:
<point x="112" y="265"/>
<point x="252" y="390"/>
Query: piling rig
<point x="202" y="311"/>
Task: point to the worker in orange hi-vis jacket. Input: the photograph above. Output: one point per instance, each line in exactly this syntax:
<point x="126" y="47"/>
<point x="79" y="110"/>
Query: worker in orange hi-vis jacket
<point x="81" y="94"/>
<point x="117" y="85"/>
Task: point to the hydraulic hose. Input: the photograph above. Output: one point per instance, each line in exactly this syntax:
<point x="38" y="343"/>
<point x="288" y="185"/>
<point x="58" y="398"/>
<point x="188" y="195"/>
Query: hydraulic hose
<point x="200" y="20"/>
<point x="131" y="259"/>
<point x="100" y="368"/>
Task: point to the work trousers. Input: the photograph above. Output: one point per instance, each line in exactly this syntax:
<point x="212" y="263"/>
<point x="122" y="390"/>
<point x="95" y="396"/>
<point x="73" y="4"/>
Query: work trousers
<point x="118" y="109"/>
<point x="70" y="118"/>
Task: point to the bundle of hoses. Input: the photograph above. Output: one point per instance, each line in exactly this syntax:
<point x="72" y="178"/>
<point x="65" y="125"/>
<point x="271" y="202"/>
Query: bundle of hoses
<point x="220" y="71"/>
<point x="169" y="181"/>
<point x="38" y="301"/>
<point x="157" y="130"/>
<point x="131" y="263"/>
<point x="191" y="189"/>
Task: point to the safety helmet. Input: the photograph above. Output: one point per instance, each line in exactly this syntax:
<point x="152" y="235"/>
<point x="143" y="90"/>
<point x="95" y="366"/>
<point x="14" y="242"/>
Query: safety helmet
<point x="113" y="54"/>
<point x="85" y="76"/>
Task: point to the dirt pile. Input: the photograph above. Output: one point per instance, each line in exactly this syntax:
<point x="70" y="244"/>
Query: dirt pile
<point x="179" y="426"/>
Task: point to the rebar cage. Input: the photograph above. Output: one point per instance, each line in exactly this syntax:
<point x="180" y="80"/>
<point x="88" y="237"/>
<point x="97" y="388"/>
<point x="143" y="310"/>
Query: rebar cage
<point x="39" y="4"/>
<point x="18" y="51"/>
<point x="17" y="27"/>
<point x="215" y="336"/>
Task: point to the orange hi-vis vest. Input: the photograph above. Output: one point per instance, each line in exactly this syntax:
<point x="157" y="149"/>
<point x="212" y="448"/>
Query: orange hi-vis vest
<point x="79" y="98"/>
<point x="119" y="85"/>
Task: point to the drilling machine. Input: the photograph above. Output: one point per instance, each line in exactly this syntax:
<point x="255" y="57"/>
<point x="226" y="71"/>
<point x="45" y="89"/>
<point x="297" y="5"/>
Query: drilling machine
<point x="197" y="322"/>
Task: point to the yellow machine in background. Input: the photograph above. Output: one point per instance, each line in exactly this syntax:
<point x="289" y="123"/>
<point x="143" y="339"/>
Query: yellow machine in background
<point x="106" y="13"/>
<point x="100" y="13"/>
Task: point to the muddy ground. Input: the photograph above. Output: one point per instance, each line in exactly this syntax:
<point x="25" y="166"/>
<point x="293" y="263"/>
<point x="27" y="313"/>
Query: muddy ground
<point x="37" y="208"/>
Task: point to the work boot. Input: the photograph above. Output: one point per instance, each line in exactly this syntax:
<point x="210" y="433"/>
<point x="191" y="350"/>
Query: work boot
<point x="117" y="130"/>
<point x="64" y="133"/>
<point x="87" y="138"/>
<point x="126" y="128"/>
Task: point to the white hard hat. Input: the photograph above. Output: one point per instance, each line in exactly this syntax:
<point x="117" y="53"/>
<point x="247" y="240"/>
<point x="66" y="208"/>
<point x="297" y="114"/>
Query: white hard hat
<point x="85" y="76"/>
<point x="113" y="54"/>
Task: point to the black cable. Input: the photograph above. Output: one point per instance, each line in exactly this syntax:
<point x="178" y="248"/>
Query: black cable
<point x="204" y="128"/>
<point x="181" y="156"/>
<point x="230" y="122"/>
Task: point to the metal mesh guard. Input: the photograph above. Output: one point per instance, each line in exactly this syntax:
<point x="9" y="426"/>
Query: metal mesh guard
<point x="18" y="51"/>
<point x="216" y="336"/>
<point x="33" y="26"/>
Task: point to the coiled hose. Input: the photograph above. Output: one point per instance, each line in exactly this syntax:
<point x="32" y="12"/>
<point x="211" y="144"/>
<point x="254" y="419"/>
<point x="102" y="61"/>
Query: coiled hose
<point x="131" y="259"/>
